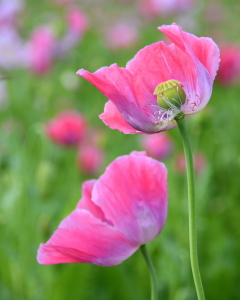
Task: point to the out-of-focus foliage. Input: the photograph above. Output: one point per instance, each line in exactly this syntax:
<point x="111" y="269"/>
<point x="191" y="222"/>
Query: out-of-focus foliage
<point x="40" y="182"/>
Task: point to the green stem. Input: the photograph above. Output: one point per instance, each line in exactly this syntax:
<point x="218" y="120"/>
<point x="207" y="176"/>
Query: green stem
<point x="191" y="207"/>
<point x="153" y="276"/>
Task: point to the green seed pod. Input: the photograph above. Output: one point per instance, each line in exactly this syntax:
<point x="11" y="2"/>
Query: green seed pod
<point x="169" y="93"/>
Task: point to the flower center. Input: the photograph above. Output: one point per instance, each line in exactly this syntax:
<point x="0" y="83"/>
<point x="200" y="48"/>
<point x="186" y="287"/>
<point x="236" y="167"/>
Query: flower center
<point x="170" y="94"/>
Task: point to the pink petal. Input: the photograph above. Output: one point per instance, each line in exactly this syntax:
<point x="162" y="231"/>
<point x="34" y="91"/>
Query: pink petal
<point x="133" y="195"/>
<point x="205" y="50"/>
<point x="117" y="84"/>
<point x="81" y="238"/>
<point x="86" y="202"/>
<point x="205" y="53"/>
<point x="112" y="118"/>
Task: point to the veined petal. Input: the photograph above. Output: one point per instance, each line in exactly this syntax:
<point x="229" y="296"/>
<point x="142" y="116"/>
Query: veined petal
<point x="133" y="195"/>
<point x="112" y="118"/>
<point x="82" y="238"/>
<point x="117" y="84"/>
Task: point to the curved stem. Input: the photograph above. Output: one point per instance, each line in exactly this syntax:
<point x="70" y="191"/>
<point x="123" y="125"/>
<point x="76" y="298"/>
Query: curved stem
<point x="153" y="276"/>
<point x="191" y="207"/>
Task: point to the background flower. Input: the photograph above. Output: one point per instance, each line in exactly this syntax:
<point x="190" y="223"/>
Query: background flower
<point x="67" y="128"/>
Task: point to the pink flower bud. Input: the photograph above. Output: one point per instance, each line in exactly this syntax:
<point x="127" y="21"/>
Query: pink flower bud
<point x="67" y="129"/>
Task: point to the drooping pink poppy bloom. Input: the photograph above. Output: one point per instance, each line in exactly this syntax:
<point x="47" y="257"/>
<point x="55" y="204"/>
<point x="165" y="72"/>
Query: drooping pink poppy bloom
<point x="90" y="158"/>
<point x="67" y="129"/>
<point x="122" y="210"/>
<point x="41" y="50"/>
<point x="121" y="35"/>
<point x="199" y="161"/>
<point x="157" y="145"/>
<point x="132" y="107"/>
<point x="229" y="70"/>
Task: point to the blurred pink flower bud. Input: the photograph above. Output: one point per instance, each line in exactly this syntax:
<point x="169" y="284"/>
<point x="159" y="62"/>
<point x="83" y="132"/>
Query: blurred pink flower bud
<point x="77" y="21"/>
<point x="199" y="161"/>
<point x="90" y="159"/>
<point x="122" y="210"/>
<point x="157" y="145"/>
<point x="41" y="50"/>
<point x="229" y="70"/>
<point x="67" y="129"/>
<point x="121" y="35"/>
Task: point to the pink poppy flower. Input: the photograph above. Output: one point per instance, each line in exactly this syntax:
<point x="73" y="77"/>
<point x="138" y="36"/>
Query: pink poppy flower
<point x="132" y="107"/>
<point x="67" y="129"/>
<point x="122" y="210"/>
<point x="90" y="158"/>
<point x="157" y="145"/>
<point x="229" y="70"/>
<point x="41" y="50"/>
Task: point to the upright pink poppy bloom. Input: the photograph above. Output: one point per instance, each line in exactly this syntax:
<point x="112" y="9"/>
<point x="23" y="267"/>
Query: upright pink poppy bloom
<point x="157" y="145"/>
<point x="132" y="107"/>
<point x="122" y="210"/>
<point x="229" y="70"/>
<point x="67" y="129"/>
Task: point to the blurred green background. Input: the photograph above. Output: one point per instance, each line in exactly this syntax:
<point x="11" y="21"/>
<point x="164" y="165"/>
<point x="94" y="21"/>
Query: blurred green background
<point x="40" y="182"/>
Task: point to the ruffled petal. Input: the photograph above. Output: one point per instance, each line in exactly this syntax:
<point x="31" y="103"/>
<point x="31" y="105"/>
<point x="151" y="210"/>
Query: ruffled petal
<point x="206" y="55"/>
<point x="82" y="238"/>
<point x="133" y="195"/>
<point x="203" y="48"/>
<point x="112" y="118"/>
